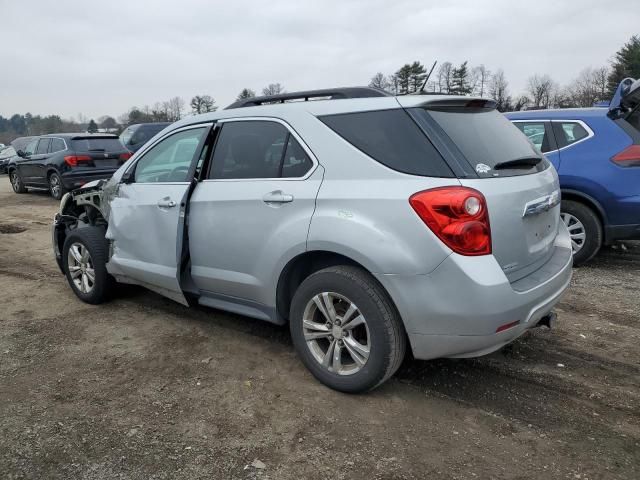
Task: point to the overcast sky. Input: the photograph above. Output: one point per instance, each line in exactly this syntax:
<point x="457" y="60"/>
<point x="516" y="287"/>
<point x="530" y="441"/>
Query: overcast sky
<point x="97" y="58"/>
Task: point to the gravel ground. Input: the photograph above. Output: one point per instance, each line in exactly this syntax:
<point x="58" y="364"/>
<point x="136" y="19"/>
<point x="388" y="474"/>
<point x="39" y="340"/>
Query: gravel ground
<point x="144" y="388"/>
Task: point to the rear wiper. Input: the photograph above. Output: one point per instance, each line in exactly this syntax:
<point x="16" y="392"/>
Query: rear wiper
<point x="96" y="149"/>
<point x="518" y="162"/>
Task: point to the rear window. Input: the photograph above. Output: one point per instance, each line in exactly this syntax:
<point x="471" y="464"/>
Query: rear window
<point x="97" y="144"/>
<point x="485" y="138"/>
<point x="392" y="138"/>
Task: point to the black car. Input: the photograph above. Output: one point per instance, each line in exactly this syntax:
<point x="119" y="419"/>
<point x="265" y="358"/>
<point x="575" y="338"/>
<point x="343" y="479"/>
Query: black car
<point x="135" y="136"/>
<point x="64" y="161"/>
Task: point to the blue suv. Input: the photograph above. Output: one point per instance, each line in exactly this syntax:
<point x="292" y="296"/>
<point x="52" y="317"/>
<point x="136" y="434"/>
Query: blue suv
<point x="596" y="152"/>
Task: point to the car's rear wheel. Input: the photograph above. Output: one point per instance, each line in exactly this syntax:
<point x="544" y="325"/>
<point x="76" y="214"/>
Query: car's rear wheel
<point x="16" y="182"/>
<point x="84" y="259"/>
<point x="56" y="187"/>
<point x="584" y="228"/>
<point x="346" y="330"/>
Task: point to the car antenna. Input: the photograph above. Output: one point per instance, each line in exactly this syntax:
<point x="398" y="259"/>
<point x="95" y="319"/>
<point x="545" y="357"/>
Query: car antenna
<point x="424" y="84"/>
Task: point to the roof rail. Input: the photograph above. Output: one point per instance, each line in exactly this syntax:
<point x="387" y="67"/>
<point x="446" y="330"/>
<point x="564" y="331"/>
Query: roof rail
<point x="329" y="94"/>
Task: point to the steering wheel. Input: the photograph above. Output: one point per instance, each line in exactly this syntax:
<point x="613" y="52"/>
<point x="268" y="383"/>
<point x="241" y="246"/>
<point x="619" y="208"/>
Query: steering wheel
<point x="175" y="171"/>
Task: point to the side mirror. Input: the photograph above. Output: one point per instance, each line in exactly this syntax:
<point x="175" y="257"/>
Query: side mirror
<point x="21" y="153"/>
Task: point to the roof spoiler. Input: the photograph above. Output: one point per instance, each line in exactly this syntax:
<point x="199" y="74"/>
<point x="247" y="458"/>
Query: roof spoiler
<point x="627" y="97"/>
<point x="328" y="94"/>
<point x="462" y="102"/>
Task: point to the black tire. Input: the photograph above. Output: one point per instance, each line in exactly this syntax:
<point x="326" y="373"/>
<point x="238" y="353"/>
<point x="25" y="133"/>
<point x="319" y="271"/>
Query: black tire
<point x="56" y="187"/>
<point x="592" y="229"/>
<point x="387" y="338"/>
<point x="16" y="182"/>
<point x="92" y="238"/>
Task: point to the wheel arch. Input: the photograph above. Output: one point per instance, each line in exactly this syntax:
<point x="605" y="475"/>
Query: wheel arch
<point x="588" y="201"/>
<point x="305" y="264"/>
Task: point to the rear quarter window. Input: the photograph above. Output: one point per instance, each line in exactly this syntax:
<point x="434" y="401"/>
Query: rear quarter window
<point x="392" y="138"/>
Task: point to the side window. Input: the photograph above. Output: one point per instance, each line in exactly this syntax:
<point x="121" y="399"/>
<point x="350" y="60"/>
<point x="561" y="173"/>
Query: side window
<point x="537" y="133"/>
<point x="249" y="149"/>
<point x="169" y="160"/>
<point x="43" y="146"/>
<point x="296" y="162"/>
<point x="57" y="145"/>
<point x="31" y="147"/>
<point x="569" y="132"/>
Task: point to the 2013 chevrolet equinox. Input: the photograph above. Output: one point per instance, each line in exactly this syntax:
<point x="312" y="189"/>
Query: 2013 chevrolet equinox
<point x="362" y="219"/>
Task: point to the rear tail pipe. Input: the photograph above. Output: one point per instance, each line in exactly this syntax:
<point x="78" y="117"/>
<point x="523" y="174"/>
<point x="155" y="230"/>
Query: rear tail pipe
<point x="550" y="320"/>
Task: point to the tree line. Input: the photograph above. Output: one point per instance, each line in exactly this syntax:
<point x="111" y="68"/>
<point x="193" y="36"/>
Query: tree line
<point x="590" y="86"/>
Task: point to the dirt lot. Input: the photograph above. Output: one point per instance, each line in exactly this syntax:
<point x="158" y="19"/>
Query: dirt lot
<point x="145" y="388"/>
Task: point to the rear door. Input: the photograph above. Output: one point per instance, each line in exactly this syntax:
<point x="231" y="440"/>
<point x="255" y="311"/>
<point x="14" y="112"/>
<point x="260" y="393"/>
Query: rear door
<point x="251" y="212"/>
<point x="523" y="198"/>
<point x="146" y="221"/>
<point x="35" y="166"/>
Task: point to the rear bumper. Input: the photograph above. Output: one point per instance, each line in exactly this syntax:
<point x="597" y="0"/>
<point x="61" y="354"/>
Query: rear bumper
<point x="622" y="232"/>
<point x="72" y="180"/>
<point x="457" y="309"/>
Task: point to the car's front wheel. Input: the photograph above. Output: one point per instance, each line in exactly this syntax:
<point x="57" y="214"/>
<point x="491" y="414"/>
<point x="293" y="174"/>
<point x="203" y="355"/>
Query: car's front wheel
<point x="56" y="187"/>
<point x="84" y="259"/>
<point x="346" y="330"/>
<point x="16" y="182"/>
<point x="584" y="228"/>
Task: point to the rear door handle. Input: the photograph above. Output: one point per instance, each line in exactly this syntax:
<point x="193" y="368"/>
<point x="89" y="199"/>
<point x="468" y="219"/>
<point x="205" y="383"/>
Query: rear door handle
<point x="166" y="203"/>
<point x="277" y="196"/>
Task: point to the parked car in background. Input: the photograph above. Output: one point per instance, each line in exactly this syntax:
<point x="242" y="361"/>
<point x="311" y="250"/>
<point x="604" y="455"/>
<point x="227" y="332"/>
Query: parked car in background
<point x="64" y="161"/>
<point x="363" y="220"/>
<point x="596" y="152"/>
<point x="135" y="136"/>
<point x="5" y="155"/>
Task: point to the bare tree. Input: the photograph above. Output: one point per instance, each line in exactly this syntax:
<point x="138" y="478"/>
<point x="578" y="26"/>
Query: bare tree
<point x="273" y="89"/>
<point x="445" y="77"/>
<point x="588" y="88"/>
<point x="480" y="78"/>
<point x="498" y="90"/>
<point x="542" y="90"/>
<point x="173" y="108"/>
<point x="379" y="80"/>
<point x="203" y="104"/>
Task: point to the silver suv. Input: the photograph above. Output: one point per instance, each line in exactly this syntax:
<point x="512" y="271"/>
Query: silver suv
<point x="364" y="221"/>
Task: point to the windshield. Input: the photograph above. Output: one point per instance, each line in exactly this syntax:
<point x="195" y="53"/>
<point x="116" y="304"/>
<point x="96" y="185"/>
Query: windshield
<point x="486" y="138"/>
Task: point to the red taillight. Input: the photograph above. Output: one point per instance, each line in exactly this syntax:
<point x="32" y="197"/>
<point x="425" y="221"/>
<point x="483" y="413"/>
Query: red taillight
<point x="74" y="160"/>
<point x="629" y="157"/>
<point x="125" y="156"/>
<point x="458" y="216"/>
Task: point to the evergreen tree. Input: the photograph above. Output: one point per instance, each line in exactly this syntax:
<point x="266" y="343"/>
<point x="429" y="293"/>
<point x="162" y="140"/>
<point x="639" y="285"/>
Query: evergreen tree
<point x="626" y="63"/>
<point x="246" y="93"/>
<point x="417" y="76"/>
<point x="460" y="84"/>
<point x="403" y="79"/>
<point x="93" y="127"/>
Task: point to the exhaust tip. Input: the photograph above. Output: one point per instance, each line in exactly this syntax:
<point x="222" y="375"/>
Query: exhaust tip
<point x="550" y="320"/>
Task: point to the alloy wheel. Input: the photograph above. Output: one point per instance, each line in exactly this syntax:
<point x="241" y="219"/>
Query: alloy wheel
<point x="576" y="231"/>
<point x="81" y="267"/>
<point x="15" y="181"/>
<point x="54" y="185"/>
<point x="336" y="333"/>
